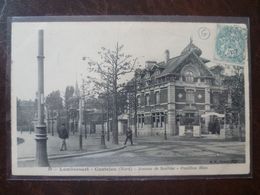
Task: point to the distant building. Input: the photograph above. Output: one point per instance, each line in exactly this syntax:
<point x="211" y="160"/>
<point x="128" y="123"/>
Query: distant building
<point x="26" y="110"/>
<point x="172" y="95"/>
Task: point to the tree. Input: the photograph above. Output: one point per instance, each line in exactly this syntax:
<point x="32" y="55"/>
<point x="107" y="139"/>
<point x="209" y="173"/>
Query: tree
<point x="113" y="64"/>
<point x="25" y="114"/>
<point x="131" y="91"/>
<point x="222" y="98"/>
<point x="67" y="102"/>
<point x="235" y="84"/>
<point x="68" y="94"/>
<point x="54" y="103"/>
<point x="88" y="98"/>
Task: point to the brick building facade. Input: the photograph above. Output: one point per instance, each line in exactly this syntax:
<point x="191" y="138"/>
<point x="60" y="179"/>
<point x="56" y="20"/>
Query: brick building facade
<point x="172" y="95"/>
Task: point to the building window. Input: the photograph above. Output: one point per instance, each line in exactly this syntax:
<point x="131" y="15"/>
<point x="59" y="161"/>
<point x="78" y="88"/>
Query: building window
<point x="147" y="83"/>
<point x="147" y="75"/>
<point x="158" y="120"/>
<point x="189" y="76"/>
<point x="190" y="96"/>
<point x="157" y="97"/>
<point x="140" y="120"/>
<point x="157" y="72"/>
<point x="147" y="99"/>
<point x="139" y="100"/>
<point x="216" y="99"/>
<point x="163" y="79"/>
<point x="162" y="119"/>
<point x="153" y="120"/>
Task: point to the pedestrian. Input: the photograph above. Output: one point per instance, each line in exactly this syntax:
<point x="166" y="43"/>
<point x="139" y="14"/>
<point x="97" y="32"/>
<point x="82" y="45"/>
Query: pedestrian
<point x="63" y="134"/>
<point x="217" y="127"/>
<point x="129" y="136"/>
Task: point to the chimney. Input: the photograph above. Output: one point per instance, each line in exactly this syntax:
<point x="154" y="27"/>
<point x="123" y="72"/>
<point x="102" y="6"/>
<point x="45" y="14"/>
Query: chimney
<point x="167" y="55"/>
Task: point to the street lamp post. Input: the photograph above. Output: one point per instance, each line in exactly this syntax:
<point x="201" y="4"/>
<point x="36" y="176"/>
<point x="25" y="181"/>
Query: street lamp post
<point x="135" y="103"/>
<point x="52" y="131"/>
<point x="85" y="119"/>
<point x="108" y="124"/>
<point x="80" y="123"/>
<point x="103" y="144"/>
<point x="41" y="135"/>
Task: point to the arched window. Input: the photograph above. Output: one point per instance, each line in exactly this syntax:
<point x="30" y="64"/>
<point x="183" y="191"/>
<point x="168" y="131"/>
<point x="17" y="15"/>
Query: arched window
<point x="189" y="77"/>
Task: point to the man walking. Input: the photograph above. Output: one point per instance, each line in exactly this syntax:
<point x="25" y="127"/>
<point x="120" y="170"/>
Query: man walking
<point x="63" y="134"/>
<point x="129" y="136"/>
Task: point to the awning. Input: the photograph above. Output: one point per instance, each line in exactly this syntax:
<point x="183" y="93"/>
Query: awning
<point x="213" y="114"/>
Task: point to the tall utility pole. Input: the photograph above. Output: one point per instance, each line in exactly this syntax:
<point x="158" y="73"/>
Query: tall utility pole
<point x="103" y="143"/>
<point x="41" y="134"/>
<point x="80" y="123"/>
<point x="85" y="119"/>
<point x="135" y="104"/>
<point x="108" y="123"/>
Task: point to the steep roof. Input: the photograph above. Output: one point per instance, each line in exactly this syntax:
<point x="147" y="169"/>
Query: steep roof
<point x="174" y="64"/>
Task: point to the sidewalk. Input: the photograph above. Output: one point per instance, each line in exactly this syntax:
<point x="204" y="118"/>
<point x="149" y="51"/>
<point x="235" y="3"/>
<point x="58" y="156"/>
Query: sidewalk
<point x="26" y="148"/>
<point x="203" y="138"/>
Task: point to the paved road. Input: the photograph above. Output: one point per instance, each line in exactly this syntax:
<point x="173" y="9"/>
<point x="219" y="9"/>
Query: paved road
<point x="162" y="153"/>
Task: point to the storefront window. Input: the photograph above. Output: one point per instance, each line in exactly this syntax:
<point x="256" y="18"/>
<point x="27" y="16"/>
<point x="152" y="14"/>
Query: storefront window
<point x="158" y="120"/>
<point x="162" y="120"/>
<point x="140" y="120"/>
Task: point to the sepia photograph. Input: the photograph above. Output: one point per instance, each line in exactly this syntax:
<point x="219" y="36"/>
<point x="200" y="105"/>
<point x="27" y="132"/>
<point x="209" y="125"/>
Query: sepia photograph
<point x="134" y="97"/>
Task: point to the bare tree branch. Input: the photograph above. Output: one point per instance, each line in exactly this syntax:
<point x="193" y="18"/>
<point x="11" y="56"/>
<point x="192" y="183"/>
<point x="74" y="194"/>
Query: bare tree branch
<point x="3" y="9"/>
<point x="130" y="70"/>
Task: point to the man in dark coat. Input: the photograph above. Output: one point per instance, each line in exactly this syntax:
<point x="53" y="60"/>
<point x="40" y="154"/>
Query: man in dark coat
<point x="129" y="136"/>
<point x="63" y="134"/>
<point x="217" y="126"/>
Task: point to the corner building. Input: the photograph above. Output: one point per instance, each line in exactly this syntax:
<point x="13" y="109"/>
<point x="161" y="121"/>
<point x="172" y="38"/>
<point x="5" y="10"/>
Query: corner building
<point x="173" y="94"/>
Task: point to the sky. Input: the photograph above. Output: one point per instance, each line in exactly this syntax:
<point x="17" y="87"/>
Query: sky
<point x="66" y="43"/>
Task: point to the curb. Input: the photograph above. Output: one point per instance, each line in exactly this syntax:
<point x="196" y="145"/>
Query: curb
<point x="75" y="155"/>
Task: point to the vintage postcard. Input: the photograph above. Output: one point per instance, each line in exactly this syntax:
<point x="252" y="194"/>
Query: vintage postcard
<point x="130" y="96"/>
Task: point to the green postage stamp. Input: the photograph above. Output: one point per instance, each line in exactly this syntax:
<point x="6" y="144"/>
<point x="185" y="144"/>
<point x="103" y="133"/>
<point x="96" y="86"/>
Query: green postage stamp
<point x="231" y="43"/>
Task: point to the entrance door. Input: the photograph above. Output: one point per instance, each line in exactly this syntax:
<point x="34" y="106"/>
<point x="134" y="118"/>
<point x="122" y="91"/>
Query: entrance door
<point x="189" y="121"/>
